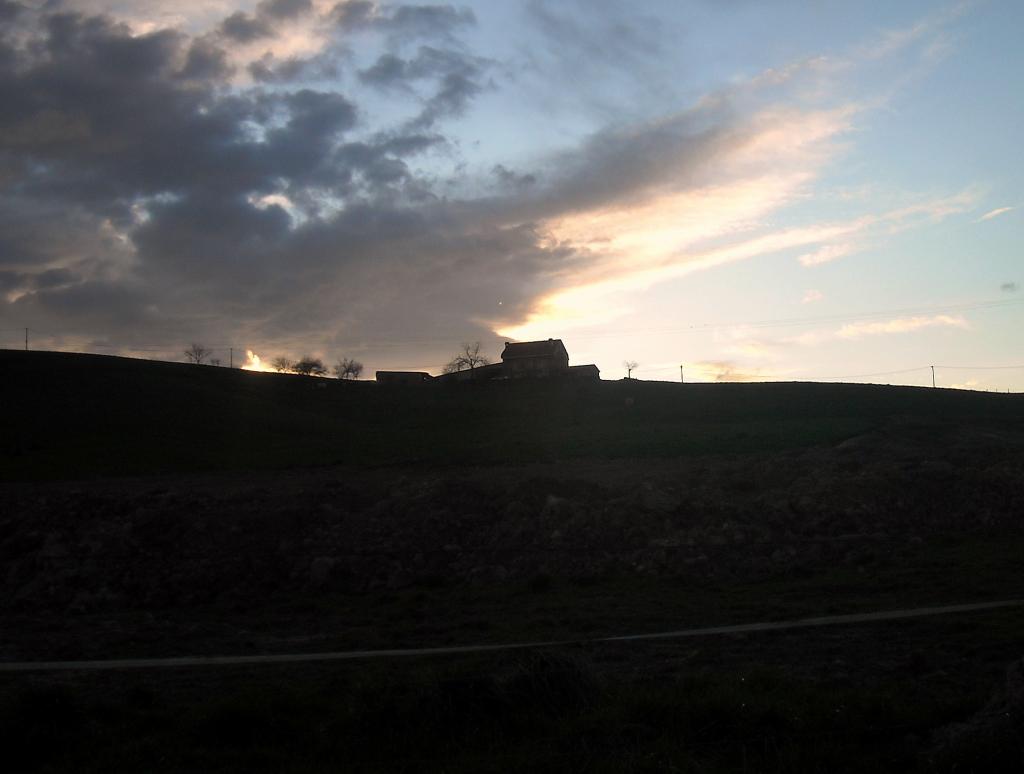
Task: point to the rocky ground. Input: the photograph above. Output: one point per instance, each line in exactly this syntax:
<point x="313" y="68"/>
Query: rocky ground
<point x="248" y="543"/>
<point x="913" y="513"/>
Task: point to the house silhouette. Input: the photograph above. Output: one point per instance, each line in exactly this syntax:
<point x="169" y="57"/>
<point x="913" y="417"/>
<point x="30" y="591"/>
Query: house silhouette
<point x="534" y="358"/>
<point x="519" y="360"/>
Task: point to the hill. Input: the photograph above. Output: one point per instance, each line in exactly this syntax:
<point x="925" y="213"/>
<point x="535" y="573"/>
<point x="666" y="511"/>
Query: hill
<point x="213" y="511"/>
<point x="75" y="416"/>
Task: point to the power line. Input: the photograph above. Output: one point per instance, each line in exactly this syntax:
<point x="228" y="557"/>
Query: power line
<point x="877" y="373"/>
<point x="980" y="368"/>
<point x="790" y="377"/>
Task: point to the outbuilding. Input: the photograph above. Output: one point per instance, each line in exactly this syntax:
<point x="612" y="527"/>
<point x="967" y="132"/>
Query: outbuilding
<point x="403" y="377"/>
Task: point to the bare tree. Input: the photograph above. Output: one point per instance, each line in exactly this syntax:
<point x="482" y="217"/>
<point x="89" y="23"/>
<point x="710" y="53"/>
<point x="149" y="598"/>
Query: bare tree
<point x="197" y="353"/>
<point x="215" y="361"/>
<point x="630" y="365"/>
<point x="309" y="366"/>
<point x="281" y="364"/>
<point x="347" y="368"/>
<point x="469" y="357"/>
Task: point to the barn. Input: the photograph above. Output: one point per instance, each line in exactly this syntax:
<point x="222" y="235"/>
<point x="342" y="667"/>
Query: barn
<point x="403" y="377"/>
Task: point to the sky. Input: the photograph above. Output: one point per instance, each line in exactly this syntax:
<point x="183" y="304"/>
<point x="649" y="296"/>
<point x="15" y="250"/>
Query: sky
<point x="748" y="190"/>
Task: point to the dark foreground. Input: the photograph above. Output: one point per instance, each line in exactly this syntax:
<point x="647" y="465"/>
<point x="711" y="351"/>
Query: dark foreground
<point x="589" y="518"/>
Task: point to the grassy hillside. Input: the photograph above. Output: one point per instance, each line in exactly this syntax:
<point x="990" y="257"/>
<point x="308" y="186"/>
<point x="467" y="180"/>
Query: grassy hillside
<point x="495" y="513"/>
<point x="71" y="416"/>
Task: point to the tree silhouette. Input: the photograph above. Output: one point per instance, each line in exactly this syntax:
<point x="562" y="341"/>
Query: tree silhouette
<point x="197" y="353"/>
<point x="309" y="366"/>
<point x="469" y="357"/>
<point x="630" y="365"/>
<point x="281" y="364"/>
<point x="347" y="368"/>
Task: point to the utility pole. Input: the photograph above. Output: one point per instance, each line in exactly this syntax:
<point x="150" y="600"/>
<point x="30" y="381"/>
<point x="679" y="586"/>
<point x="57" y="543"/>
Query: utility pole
<point x="681" y="379"/>
<point x="933" y="377"/>
<point x="26" y="339"/>
<point x="231" y="357"/>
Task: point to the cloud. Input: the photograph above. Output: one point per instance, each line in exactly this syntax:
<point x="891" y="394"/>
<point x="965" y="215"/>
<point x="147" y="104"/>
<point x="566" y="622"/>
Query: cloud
<point x="1009" y="287"/>
<point x="268" y="68"/>
<point x="206" y="61"/>
<point x="390" y="71"/>
<point x="970" y="384"/>
<point x="811" y="296"/>
<point x="827" y="254"/>
<point x="183" y="184"/>
<point x="604" y="278"/>
<point x="402" y="23"/>
<point x="900" y="325"/>
<point x="622" y="49"/>
<point x="511" y="179"/>
<point x="285" y="9"/>
<point x="149" y="202"/>
<point x="247" y="28"/>
<point x="9" y="10"/>
<point x="458" y="78"/>
<point x="929" y="30"/>
<point x="726" y="371"/>
<point x="153" y="193"/>
<point x="244" y="28"/>
<point x="994" y="213"/>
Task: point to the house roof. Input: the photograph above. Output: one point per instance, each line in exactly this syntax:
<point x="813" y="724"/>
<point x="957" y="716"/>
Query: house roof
<point x="547" y="348"/>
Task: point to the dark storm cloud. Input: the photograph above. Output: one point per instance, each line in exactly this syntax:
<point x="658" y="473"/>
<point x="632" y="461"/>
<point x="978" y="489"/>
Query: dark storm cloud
<point x="144" y="195"/>
<point x="285" y="9"/>
<point x="36" y="234"/>
<point x="427" y="20"/>
<point x="97" y="120"/>
<point x="319" y="67"/>
<point x="42" y="280"/>
<point x="244" y="28"/>
<point x="353" y="14"/>
<point x="107" y="48"/>
<point x="614" y="164"/>
<point x="451" y="99"/>
<point x="430" y="62"/>
<point x="9" y="10"/>
<point x="207" y="237"/>
<point x="115" y="122"/>
<point x="54" y="278"/>
<point x="144" y="198"/>
<point x="458" y="78"/>
<point x="511" y="179"/>
<point x="206" y="61"/>
<point x="121" y="310"/>
<point x="402" y="22"/>
<point x="622" y="164"/>
<point x="387" y="71"/>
